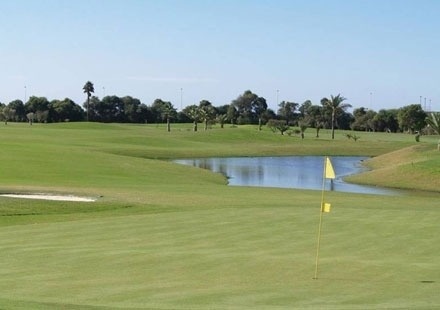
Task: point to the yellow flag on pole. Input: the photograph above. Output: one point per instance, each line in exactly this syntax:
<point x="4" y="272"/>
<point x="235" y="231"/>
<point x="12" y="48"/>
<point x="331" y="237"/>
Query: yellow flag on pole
<point x="329" y="172"/>
<point x="326" y="207"/>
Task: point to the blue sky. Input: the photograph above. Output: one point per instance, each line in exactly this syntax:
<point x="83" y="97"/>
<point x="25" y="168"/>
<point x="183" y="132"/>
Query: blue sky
<point x="377" y="54"/>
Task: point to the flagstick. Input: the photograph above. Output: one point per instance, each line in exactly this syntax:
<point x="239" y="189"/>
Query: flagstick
<point x="320" y="220"/>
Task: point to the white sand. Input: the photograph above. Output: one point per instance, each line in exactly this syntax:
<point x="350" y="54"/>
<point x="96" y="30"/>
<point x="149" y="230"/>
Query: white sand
<point x="49" y="197"/>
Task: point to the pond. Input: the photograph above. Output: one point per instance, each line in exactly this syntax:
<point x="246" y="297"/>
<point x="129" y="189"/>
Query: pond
<point x="300" y="172"/>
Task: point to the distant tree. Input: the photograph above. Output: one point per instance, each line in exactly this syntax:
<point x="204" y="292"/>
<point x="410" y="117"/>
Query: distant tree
<point x="433" y="120"/>
<point x="165" y="110"/>
<point x="88" y="89"/>
<point x="303" y="125"/>
<point x="221" y="119"/>
<point x="2" y="117"/>
<point x="20" y="112"/>
<point x="207" y="112"/>
<point x="39" y="106"/>
<point x="318" y="127"/>
<point x="123" y="110"/>
<point x="95" y="109"/>
<point x="30" y="116"/>
<point x="313" y="115"/>
<point x="305" y="107"/>
<point x="7" y="114"/>
<point x="131" y="110"/>
<point x="193" y="113"/>
<point x="247" y="107"/>
<point x="55" y="107"/>
<point x="363" y="119"/>
<point x="143" y="113"/>
<point x="359" y="119"/>
<point x="42" y="116"/>
<point x="371" y="124"/>
<point x="386" y="120"/>
<point x="335" y="104"/>
<point x="66" y="110"/>
<point x="35" y="104"/>
<point x="411" y="118"/>
<point x="232" y="114"/>
<point x="223" y="109"/>
<point x="221" y="114"/>
<point x="343" y="120"/>
<point x="269" y="114"/>
<point x="243" y="105"/>
<point x="111" y="109"/>
<point x="278" y="125"/>
<point x="287" y="111"/>
<point x="259" y="108"/>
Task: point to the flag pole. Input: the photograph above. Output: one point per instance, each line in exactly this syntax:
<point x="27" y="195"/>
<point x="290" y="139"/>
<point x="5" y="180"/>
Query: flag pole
<point x="320" y="219"/>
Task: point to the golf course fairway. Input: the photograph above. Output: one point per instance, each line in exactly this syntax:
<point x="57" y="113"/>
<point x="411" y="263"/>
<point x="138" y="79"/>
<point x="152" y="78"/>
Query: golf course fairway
<point x="165" y="236"/>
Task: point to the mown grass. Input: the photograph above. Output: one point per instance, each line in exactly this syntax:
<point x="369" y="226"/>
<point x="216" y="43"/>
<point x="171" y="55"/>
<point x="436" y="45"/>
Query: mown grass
<point x="415" y="167"/>
<point x="164" y="236"/>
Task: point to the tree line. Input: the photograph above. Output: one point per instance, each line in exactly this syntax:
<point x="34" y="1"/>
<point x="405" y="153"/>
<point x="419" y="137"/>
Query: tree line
<point x="247" y="108"/>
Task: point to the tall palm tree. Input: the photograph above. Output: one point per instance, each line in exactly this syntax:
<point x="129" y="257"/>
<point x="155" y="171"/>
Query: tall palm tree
<point x="88" y="89"/>
<point x="335" y="103"/>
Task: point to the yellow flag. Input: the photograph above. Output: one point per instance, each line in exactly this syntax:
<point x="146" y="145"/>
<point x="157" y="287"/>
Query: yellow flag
<point x="326" y="207"/>
<point x="329" y="172"/>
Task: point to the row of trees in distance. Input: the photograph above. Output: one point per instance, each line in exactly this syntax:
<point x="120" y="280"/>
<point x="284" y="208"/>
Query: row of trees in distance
<point x="247" y="108"/>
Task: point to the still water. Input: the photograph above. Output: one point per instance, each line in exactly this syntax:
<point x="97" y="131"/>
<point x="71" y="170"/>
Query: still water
<point x="301" y="172"/>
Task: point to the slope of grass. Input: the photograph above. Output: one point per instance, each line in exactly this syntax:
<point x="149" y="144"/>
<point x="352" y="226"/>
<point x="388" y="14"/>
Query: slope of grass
<point x="415" y="167"/>
<point x="81" y="156"/>
<point x="165" y="236"/>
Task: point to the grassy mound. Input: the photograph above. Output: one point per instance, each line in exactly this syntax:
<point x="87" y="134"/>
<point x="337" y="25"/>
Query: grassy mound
<point x="415" y="167"/>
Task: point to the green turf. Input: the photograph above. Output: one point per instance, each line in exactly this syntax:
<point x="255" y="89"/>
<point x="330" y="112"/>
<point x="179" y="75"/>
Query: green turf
<point x="165" y="236"/>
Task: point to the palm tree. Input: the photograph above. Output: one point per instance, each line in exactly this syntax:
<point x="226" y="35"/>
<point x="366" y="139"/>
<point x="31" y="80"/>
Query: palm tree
<point x="221" y="118"/>
<point x="433" y="120"/>
<point x="88" y="89"/>
<point x="259" y="106"/>
<point x="193" y="112"/>
<point x="303" y="125"/>
<point x="335" y="103"/>
<point x="206" y="112"/>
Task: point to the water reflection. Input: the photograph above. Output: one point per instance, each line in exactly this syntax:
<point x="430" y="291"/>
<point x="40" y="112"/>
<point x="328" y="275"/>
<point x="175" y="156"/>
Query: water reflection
<point x="302" y="172"/>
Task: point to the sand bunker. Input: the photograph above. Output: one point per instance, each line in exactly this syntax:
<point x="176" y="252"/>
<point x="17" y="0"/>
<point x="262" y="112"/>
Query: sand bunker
<point x="50" y="197"/>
